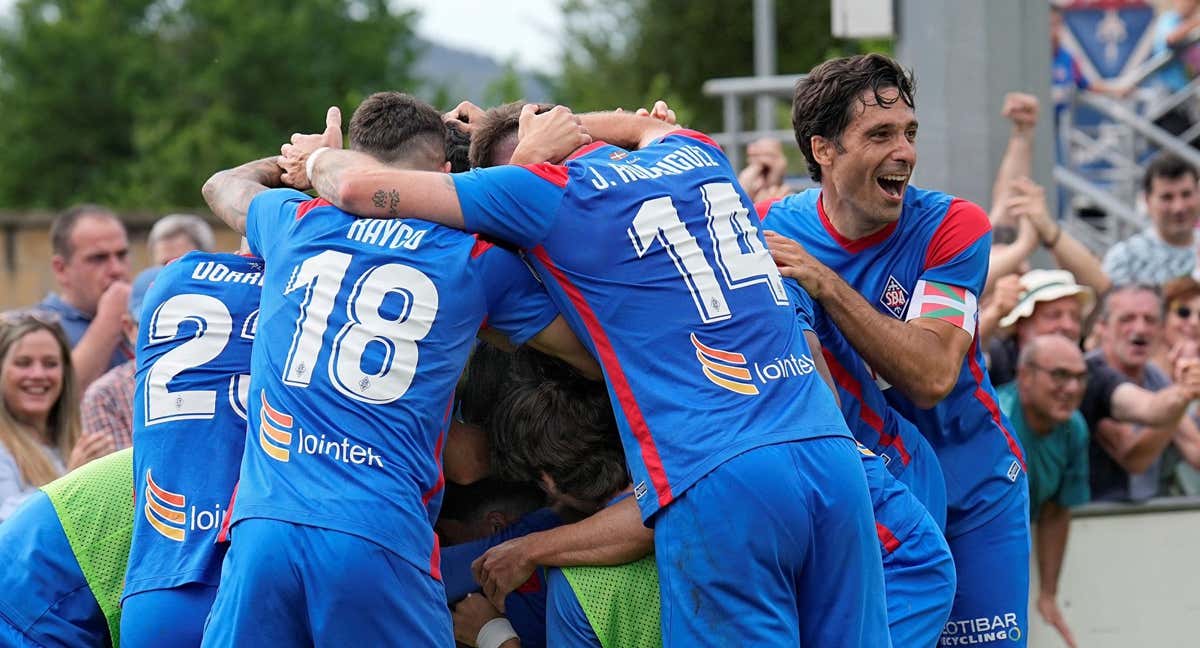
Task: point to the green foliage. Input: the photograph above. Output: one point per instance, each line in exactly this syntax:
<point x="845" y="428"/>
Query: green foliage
<point x="135" y="102"/>
<point x="629" y="53"/>
<point x="504" y="88"/>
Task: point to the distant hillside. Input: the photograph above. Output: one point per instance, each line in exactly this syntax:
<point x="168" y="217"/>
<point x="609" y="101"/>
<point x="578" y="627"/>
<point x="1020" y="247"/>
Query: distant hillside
<point x="466" y="75"/>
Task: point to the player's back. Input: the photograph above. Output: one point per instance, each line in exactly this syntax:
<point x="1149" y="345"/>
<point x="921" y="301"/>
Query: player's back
<point x="189" y="412"/>
<point x="365" y="327"/>
<point x="657" y="262"/>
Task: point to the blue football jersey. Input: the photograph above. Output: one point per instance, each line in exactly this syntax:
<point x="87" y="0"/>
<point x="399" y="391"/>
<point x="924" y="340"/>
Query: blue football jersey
<point x="189" y="415"/>
<point x="366" y="325"/>
<point x="932" y="262"/>
<point x="656" y="260"/>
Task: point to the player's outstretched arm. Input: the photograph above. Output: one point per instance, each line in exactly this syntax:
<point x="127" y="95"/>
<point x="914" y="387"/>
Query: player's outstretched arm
<point x="613" y="536"/>
<point x="627" y="130"/>
<point x="361" y="185"/>
<point x="921" y="357"/>
<point x="229" y="192"/>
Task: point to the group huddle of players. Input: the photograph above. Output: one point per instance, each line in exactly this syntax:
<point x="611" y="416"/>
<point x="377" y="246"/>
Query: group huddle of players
<point x="804" y="416"/>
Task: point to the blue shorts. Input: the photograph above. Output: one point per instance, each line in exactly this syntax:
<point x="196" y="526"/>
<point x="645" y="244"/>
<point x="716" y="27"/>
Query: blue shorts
<point x="285" y="584"/>
<point x="992" y="602"/>
<point x="919" y="578"/>
<point x="166" y="617"/>
<point x="918" y="572"/>
<point x="769" y="548"/>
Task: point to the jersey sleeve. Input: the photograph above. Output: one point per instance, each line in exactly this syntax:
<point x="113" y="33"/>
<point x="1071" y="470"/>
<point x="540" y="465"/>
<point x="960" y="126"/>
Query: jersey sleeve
<point x="955" y="268"/>
<point x="1075" y="489"/>
<point x="517" y="204"/>
<point x="803" y="304"/>
<point x="517" y="304"/>
<point x="566" y="624"/>
<point x="269" y="215"/>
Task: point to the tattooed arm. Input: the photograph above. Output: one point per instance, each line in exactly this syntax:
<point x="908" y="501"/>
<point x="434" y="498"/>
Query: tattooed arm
<point x="229" y="192"/>
<point x="359" y="184"/>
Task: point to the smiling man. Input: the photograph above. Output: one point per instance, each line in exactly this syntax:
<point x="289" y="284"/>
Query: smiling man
<point x="899" y="270"/>
<point x="1043" y="406"/>
<point x="1165" y="250"/>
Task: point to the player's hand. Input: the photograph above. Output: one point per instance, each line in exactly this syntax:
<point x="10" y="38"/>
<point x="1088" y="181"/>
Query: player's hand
<point x="467" y="114"/>
<point x="469" y="615"/>
<point x="548" y="137"/>
<point x="1048" y="608"/>
<point x="89" y="447"/>
<point x="795" y="262"/>
<point x="661" y="111"/>
<point x="503" y="569"/>
<point x="294" y="155"/>
<point x="1022" y="110"/>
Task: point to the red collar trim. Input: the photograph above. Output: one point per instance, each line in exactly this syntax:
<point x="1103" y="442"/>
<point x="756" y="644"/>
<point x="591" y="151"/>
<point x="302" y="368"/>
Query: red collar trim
<point x="584" y="150"/>
<point x="852" y="246"/>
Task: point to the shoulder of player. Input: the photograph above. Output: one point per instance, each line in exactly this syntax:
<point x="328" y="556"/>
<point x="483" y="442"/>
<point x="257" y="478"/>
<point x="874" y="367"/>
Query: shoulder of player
<point x="789" y="212"/>
<point x="948" y="224"/>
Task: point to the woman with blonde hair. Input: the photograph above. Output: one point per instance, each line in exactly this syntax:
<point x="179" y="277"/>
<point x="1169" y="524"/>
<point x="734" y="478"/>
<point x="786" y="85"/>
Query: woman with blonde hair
<point x="39" y="411"/>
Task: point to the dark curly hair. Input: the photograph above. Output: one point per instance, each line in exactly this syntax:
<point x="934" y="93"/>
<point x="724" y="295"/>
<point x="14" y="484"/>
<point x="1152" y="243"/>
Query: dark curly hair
<point x="826" y="99"/>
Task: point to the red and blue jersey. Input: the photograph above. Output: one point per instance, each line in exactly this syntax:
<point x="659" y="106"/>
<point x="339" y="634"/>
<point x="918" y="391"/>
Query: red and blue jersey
<point x="932" y="262"/>
<point x="189" y="415"/>
<point x="656" y="260"/>
<point x="365" y="326"/>
<point x="892" y="439"/>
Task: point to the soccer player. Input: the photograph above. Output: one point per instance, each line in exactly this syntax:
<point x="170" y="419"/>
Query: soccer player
<point x="64" y="554"/>
<point x="899" y="269"/>
<point x="365" y="326"/>
<point x="189" y="430"/>
<point x="655" y="258"/>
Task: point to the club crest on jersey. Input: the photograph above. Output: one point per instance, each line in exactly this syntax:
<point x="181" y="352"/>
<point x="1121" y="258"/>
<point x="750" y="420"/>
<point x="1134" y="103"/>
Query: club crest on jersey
<point x="617" y="155"/>
<point x="894" y="297"/>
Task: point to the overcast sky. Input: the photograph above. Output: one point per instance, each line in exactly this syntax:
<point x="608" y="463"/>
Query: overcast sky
<point x="525" y="29"/>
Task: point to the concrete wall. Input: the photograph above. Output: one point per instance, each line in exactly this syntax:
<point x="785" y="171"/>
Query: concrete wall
<point x="966" y="55"/>
<point x="1131" y="578"/>
<point x="25" y="275"/>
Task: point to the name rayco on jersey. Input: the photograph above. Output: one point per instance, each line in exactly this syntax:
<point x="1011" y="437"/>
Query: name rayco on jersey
<point x="220" y="273"/>
<point x="684" y="159"/>
<point x="390" y="233"/>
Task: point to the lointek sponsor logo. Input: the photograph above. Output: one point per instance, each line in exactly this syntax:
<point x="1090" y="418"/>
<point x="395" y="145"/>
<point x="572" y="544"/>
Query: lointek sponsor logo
<point x="981" y="630"/>
<point x="734" y="372"/>
<point x="275" y="437"/>
<point x="168" y="513"/>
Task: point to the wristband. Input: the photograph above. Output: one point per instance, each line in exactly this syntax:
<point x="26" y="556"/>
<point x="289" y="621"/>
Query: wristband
<point x="494" y="633"/>
<point x="312" y="159"/>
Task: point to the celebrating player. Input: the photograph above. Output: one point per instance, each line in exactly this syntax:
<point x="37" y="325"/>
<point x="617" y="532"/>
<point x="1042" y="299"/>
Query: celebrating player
<point x="365" y="328"/>
<point x="899" y="269"/>
<point x="189" y="431"/>
<point x="655" y="258"/>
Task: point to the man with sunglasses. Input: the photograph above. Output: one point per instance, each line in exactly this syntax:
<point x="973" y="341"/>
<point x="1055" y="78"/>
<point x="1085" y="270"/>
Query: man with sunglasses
<point x="1043" y="406"/>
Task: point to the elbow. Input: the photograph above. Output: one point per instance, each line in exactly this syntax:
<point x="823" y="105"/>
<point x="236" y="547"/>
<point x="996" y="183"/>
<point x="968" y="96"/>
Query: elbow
<point x="209" y="190"/>
<point x="933" y="389"/>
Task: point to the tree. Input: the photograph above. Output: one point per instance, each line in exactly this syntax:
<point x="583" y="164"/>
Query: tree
<point x="152" y="97"/>
<point x="630" y="52"/>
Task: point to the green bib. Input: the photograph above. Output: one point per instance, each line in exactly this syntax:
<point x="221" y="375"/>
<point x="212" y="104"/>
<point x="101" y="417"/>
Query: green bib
<point x="95" y="506"/>
<point x="620" y="602"/>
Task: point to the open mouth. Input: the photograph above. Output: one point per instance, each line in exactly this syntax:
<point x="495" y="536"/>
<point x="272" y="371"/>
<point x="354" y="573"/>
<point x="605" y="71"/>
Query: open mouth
<point x="892" y="184"/>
